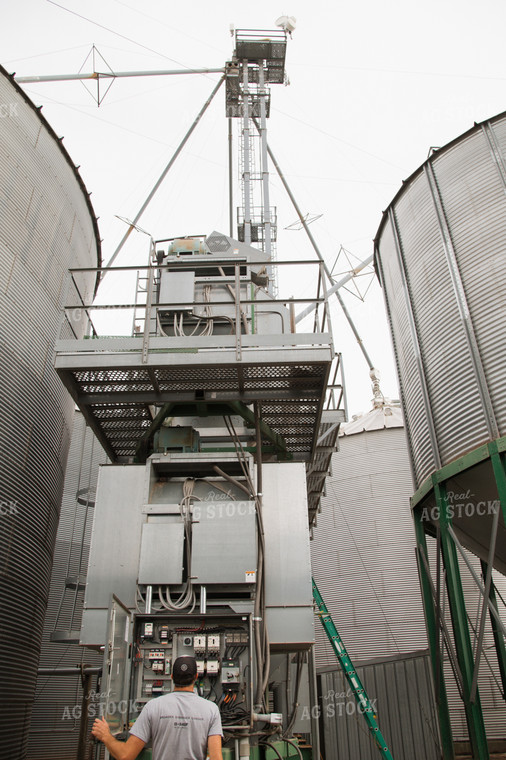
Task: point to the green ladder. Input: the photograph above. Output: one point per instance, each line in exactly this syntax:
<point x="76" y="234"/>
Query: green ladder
<point x="349" y="671"/>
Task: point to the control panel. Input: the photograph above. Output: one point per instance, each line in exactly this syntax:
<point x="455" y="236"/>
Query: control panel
<point x="221" y="647"/>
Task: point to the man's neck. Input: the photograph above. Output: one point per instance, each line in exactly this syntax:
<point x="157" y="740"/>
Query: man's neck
<point x="184" y="688"/>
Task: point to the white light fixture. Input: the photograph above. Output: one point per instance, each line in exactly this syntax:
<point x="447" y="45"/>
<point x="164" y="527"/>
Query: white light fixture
<point x="288" y="23"/>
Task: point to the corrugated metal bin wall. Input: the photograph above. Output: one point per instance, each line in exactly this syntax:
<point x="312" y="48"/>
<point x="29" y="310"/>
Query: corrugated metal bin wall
<point x="46" y="225"/>
<point x="440" y="254"/>
<point x="363" y="550"/>
<point x="56" y="712"/>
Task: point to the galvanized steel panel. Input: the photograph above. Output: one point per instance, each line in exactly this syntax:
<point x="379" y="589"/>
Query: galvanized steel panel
<point x="161" y="540"/>
<point x="46" y="225"/>
<point x="224" y="542"/>
<point x="451" y="222"/>
<point x="115" y="545"/>
<point x="401" y="693"/>
<point x="288" y="591"/>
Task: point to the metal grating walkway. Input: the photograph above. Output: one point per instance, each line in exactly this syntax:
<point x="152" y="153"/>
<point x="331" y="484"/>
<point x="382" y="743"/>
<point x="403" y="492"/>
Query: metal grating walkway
<point x="118" y="393"/>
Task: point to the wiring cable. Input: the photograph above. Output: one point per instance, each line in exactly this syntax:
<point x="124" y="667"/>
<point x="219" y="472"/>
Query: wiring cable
<point x="187" y="597"/>
<point x="293" y="744"/>
<point x="298" y="679"/>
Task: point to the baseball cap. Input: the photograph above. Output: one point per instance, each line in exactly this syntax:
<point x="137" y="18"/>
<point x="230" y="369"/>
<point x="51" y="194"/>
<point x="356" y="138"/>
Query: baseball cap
<point x="184" y="669"/>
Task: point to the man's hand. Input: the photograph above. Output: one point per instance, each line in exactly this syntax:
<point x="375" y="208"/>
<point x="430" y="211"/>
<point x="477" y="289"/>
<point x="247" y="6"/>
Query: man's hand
<point x="101" y="730"/>
<point x="120" y="750"/>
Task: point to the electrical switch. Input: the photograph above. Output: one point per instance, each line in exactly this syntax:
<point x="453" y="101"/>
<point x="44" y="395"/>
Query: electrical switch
<point x="213" y="644"/>
<point x="213" y="667"/>
<point x="199" y="644"/>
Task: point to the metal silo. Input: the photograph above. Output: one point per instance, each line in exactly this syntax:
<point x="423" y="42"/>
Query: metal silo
<point x="57" y="715"/>
<point x="368" y="579"/>
<point x="441" y="258"/>
<point x="441" y="254"/>
<point x="47" y="225"/>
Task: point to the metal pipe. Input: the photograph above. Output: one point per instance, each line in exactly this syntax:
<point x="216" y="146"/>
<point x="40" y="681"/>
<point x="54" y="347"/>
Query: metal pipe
<point x="313" y="692"/>
<point x="500" y="647"/>
<point x="440" y="622"/>
<point x="471" y="569"/>
<point x="246" y="173"/>
<point x="318" y="253"/>
<point x="203" y="600"/>
<point x="486" y="600"/>
<point x="149" y="598"/>
<point x="70" y="671"/>
<point x="363" y="264"/>
<point x="265" y="164"/>
<point x="112" y="75"/>
<point x="163" y="175"/>
<point x="83" y="723"/>
<point x="230" y="180"/>
<point x="244" y="748"/>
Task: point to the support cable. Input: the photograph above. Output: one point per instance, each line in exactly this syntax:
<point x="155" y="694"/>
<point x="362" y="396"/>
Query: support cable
<point x="162" y="177"/>
<point x="318" y="252"/>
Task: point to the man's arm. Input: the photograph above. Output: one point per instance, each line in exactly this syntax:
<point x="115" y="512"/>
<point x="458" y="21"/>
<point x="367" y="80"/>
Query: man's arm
<point x="214" y="747"/>
<point x="120" y="750"/>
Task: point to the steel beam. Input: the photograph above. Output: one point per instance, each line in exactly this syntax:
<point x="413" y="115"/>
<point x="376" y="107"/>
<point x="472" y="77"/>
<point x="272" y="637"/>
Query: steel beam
<point x="432" y="637"/>
<point x="486" y="600"/>
<point x="497" y="457"/>
<point x="498" y="634"/>
<point x="246" y="173"/>
<point x="96" y="75"/>
<point x="474" y="714"/>
<point x="230" y="180"/>
<point x="479" y="584"/>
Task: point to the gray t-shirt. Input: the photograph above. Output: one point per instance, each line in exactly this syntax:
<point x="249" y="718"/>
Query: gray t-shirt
<point x="178" y="725"/>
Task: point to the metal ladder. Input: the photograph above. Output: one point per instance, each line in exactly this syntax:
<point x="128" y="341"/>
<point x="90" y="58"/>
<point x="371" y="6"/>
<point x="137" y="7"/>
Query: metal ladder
<point x="351" y="676"/>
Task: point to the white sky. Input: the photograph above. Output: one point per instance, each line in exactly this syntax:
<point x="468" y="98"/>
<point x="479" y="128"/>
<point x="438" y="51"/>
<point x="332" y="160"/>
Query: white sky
<point x="373" y="86"/>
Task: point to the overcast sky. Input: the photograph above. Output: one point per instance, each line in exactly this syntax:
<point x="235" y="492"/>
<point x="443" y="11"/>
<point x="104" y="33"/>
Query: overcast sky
<point x="373" y="85"/>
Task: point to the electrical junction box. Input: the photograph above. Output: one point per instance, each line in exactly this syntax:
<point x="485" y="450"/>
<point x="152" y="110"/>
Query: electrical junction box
<point x="172" y="636"/>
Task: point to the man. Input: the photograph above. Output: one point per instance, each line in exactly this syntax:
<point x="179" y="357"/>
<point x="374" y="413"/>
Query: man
<point x="180" y="725"/>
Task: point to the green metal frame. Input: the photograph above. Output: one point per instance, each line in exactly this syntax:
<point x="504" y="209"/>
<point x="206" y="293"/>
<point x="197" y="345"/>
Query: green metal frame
<point x="350" y="673"/>
<point x="436" y="485"/>
<point x="458" y="613"/>
<point x="432" y="625"/>
<point x="500" y="646"/>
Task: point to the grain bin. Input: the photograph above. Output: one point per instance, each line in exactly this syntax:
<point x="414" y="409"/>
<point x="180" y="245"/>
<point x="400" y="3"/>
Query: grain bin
<point x="440" y="255"/>
<point x="47" y="225"/>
